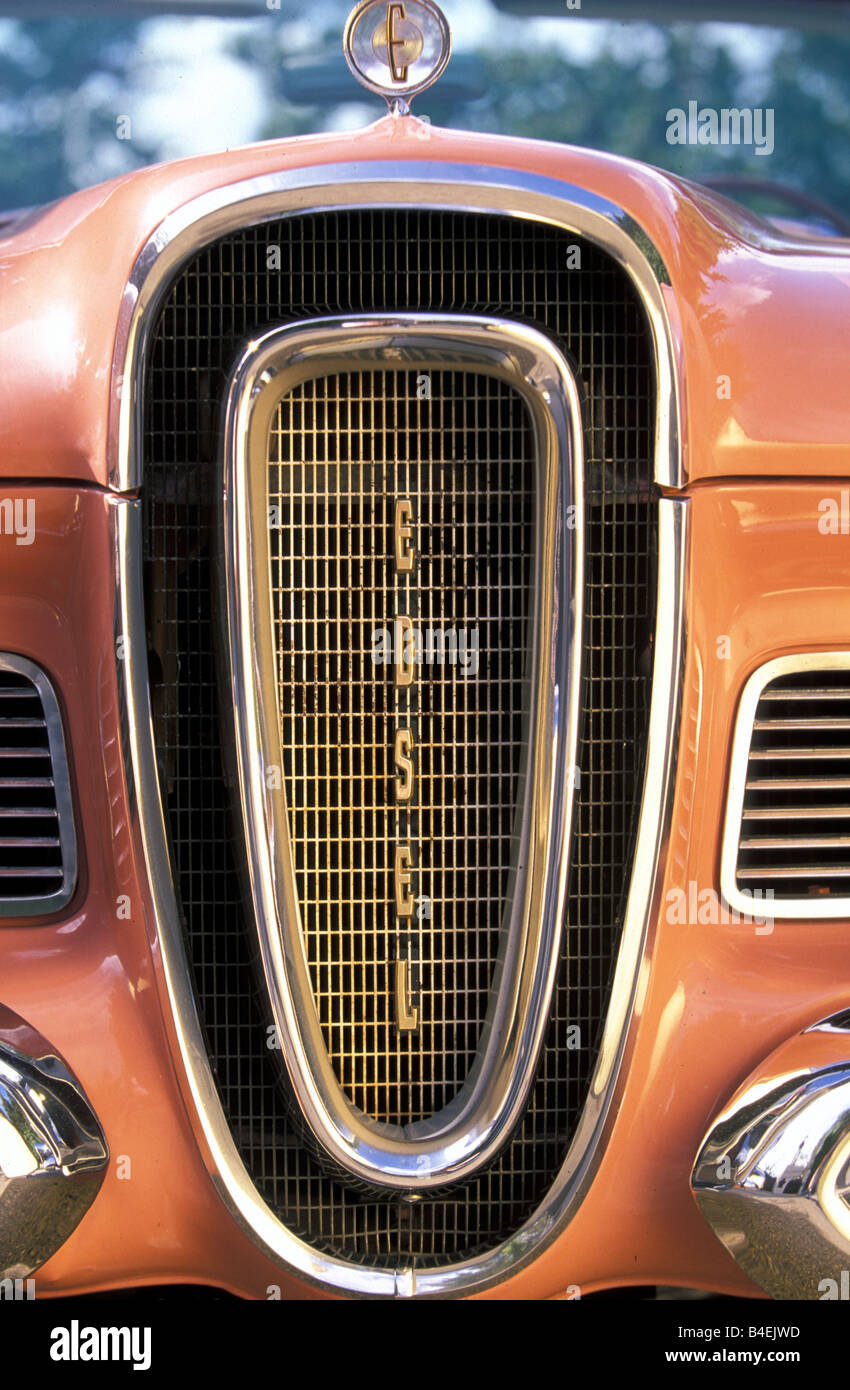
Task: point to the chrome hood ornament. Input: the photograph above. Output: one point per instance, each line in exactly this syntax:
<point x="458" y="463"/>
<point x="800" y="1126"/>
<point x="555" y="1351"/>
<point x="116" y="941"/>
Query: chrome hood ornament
<point x="397" y="49"/>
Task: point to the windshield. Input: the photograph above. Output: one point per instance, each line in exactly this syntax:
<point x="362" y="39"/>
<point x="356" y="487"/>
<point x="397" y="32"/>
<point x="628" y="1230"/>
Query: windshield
<point x="761" y="111"/>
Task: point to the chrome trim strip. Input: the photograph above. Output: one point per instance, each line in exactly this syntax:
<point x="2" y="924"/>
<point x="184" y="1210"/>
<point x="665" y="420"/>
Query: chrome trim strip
<point x="49" y="902"/>
<point x="53" y="1156"/>
<point x="454" y="1143"/>
<point x="771" y="1178"/>
<point x="384" y="184"/>
<point x="738" y="898"/>
<point x="225" y="1165"/>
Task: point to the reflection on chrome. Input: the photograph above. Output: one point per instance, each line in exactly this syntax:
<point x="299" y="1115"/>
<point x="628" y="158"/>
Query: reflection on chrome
<point x="771" y="1178"/>
<point x="53" y="1154"/>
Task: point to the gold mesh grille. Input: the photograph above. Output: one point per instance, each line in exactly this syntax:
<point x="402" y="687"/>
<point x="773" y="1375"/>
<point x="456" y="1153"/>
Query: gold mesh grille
<point x="343" y="450"/>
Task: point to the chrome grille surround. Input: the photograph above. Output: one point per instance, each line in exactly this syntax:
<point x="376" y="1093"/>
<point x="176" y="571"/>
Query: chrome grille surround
<point x="455" y="1142"/>
<point x="437" y="186"/>
<point x="793" y="720"/>
<point x="38" y="842"/>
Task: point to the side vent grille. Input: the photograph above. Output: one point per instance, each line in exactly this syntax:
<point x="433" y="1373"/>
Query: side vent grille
<point x="788" y="823"/>
<point x="38" y="862"/>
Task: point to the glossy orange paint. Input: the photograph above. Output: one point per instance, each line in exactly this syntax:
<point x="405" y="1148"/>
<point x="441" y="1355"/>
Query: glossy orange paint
<point x="63" y="275"/>
<point x="716" y="999"/>
<point x="86" y="978"/>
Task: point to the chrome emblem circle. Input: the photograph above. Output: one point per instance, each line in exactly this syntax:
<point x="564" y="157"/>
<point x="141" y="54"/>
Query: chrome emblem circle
<point x="397" y="49"/>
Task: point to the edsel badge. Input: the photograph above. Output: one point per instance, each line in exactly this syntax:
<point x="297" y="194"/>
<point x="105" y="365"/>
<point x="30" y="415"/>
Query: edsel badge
<point x="397" y="49"/>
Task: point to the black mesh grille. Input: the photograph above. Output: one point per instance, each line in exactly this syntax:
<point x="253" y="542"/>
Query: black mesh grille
<point x="405" y="261"/>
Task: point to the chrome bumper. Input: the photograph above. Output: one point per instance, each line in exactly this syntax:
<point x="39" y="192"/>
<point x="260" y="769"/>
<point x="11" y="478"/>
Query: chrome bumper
<point x="773" y="1175"/>
<point x="53" y="1154"/>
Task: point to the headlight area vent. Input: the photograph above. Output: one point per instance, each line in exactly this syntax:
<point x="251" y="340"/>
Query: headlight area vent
<point x="38" y="859"/>
<point x="787" y="835"/>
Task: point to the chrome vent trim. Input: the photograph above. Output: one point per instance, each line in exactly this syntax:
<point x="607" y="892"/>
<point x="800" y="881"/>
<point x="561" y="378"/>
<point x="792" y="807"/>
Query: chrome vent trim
<point x="787" y="831"/>
<point x="38" y="850"/>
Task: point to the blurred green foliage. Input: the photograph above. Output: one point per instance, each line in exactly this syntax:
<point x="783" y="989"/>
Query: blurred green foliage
<point x="64" y="83"/>
<point x="619" y="103"/>
<point x="63" y="86"/>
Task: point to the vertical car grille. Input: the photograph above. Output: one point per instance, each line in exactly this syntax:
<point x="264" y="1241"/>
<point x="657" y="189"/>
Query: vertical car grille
<point x="404" y="261"/>
<point x="342" y="449"/>
<point x="795" y="826"/>
<point x="37" y="856"/>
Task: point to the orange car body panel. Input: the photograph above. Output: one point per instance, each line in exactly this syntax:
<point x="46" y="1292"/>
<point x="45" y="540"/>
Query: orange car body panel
<point x="64" y="275"/>
<point x="717" y="999"/>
